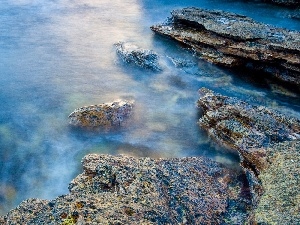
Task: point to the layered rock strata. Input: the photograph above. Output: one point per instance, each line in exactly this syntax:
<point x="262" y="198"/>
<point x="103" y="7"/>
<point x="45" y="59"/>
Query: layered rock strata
<point x="143" y="58"/>
<point x="233" y="40"/>
<point x="127" y="190"/>
<point x="106" y="115"/>
<point x="269" y="145"/>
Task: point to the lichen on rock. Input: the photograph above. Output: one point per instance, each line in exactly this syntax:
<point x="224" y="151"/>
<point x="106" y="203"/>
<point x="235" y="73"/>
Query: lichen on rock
<point x="269" y="146"/>
<point x="280" y="202"/>
<point x="127" y="190"/>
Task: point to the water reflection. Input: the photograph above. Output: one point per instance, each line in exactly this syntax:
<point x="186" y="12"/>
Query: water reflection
<point x="58" y="55"/>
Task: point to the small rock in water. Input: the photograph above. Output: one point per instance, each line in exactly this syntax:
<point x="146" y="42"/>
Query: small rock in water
<point x="106" y="115"/>
<point x="144" y="58"/>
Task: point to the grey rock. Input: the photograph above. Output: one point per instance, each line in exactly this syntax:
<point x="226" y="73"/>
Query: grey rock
<point x="234" y="40"/>
<point x="143" y="58"/>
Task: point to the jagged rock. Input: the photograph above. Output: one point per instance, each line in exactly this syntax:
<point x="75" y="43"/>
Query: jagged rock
<point x="106" y="115"/>
<point x="269" y="145"/>
<point x="233" y="40"/>
<point x="242" y="126"/>
<point x="144" y="58"/>
<point x="127" y="190"/>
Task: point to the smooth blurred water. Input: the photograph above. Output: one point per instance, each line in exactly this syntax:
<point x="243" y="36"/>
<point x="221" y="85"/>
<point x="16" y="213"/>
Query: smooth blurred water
<point x="58" y="55"/>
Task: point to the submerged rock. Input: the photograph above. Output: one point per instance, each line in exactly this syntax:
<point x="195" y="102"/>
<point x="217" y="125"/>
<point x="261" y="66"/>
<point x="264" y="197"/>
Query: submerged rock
<point x="106" y="115"/>
<point x="233" y="40"/>
<point x="144" y="58"/>
<point x="284" y="2"/>
<point x="269" y="146"/>
<point x="127" y="190"/>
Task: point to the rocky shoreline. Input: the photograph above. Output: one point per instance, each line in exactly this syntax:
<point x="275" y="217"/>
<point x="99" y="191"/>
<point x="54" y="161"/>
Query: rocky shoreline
<point x="127" y="190"/>
<point x="195" y="190"/>
<point x="233" y="40"/>
<point x="269" y="147"/>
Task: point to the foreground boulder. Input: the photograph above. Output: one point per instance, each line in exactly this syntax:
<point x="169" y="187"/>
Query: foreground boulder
<point x="143" y="58"/>
<point x="269" y="145"/>
<point x="127" y="190"/>
<point x="106" y="115"/>
<point x="233" y="40"/>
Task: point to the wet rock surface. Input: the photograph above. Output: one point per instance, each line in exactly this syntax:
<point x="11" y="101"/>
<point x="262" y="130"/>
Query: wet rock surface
<point x="234" y="40"/>
<point x="127" y="190"/>
<point x="269" y="146"/>
<point x="284" y="2"/>
<point x="144" y="58"/>
<point x="242" y="126"/>
<point x="106" y="115"/>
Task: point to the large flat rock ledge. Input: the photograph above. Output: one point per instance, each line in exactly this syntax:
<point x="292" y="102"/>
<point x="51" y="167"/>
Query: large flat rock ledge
<point x="234" y="40"/>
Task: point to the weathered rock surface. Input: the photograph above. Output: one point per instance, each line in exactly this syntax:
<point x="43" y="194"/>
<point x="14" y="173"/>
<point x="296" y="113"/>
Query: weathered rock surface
<point x="106" y="115"/>
<point x="269" y="145"/>
<point x="234" y="40"/>
<point x="143" y="58"/>
<point x="280" y="201"/>
<point x="127" y="190"/>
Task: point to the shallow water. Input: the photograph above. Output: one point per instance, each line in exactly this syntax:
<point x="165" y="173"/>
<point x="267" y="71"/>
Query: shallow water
<point x="58" y="55"/>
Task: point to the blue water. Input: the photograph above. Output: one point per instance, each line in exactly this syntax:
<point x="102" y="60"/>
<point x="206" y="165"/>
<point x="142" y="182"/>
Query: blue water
<point x="58" y="55"/>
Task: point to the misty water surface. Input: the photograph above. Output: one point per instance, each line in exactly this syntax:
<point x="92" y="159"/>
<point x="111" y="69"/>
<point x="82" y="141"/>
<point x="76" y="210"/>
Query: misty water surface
<point x="58" y="55"/>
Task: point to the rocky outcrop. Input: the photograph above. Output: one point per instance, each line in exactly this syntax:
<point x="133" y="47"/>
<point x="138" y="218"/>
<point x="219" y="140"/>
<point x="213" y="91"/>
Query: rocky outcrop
<point x="106" y="115"/>
<point x="233" y="40"/>
<point x="127" y="190"/>
<point x="269" y="145"/>
<point x="143" y="58"/>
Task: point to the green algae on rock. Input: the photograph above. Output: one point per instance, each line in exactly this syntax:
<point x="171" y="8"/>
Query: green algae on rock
<point x="234" y="40"/>
<point x="106" y="115"/>
<point x="269" y="146"/>
<point x="127" y="190"/>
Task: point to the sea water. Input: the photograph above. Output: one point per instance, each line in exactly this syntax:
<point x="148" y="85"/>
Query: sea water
<point x="58" y="55"/>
